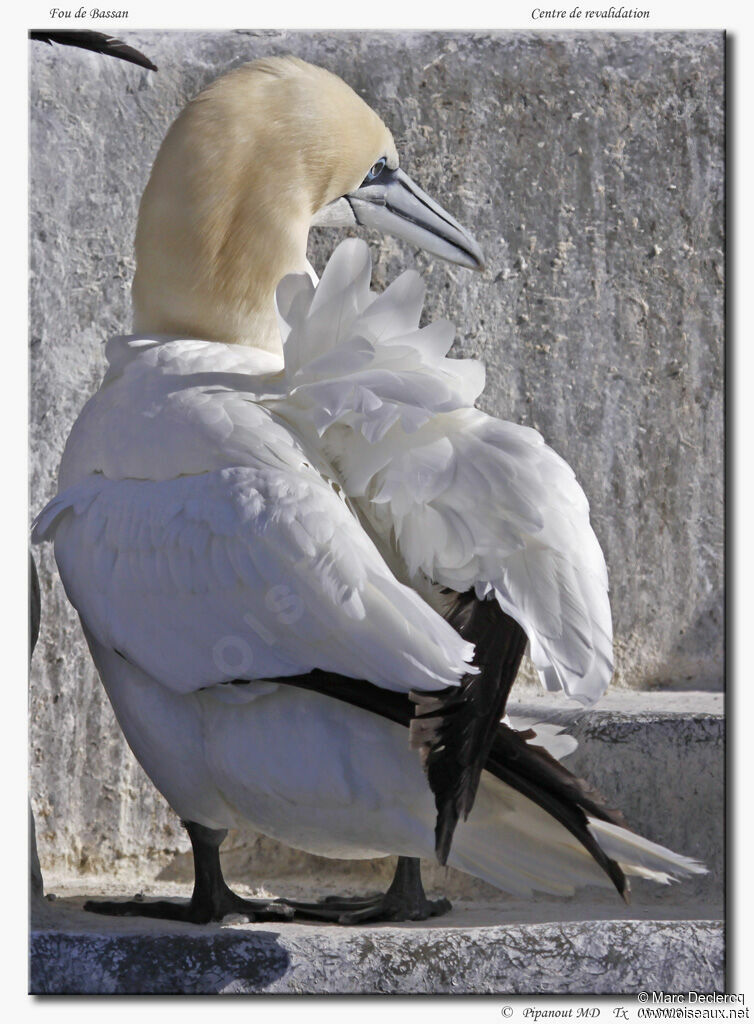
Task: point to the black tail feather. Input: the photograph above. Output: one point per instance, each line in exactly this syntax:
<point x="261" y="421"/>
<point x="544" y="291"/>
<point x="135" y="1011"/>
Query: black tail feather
<point x="532" y="771"/>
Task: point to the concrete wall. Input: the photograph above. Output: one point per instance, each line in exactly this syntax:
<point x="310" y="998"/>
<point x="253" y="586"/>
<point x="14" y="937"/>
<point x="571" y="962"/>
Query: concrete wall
<point x="590" y="169"/>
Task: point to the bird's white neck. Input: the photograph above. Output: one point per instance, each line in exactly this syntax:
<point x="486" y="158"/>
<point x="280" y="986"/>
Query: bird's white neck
<point x="217" y="285"/>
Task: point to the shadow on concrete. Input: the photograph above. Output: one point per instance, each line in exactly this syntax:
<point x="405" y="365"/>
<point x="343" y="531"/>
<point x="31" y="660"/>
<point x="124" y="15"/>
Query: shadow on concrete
<point x="64" y="964"/>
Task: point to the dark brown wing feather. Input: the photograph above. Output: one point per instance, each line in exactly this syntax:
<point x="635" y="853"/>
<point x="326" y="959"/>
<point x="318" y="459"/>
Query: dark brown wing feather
<point x="98" y="42"/>
<point x="396" y="707"/>
<point x="455" y="728"/>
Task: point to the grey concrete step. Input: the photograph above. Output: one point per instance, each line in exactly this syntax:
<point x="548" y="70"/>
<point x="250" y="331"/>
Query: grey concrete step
<point x="460" y="953"/>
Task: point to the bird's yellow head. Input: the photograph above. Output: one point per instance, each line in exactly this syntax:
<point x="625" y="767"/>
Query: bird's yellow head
<point x="242" y="174"/>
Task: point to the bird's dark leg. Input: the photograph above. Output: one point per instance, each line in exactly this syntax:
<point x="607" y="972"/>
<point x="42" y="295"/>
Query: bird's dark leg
<point x="404" y="901"/>
<point x="211" y="900"/>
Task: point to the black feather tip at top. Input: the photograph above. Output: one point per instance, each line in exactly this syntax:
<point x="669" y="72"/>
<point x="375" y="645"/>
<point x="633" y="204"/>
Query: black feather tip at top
<point x="97" y="42"/>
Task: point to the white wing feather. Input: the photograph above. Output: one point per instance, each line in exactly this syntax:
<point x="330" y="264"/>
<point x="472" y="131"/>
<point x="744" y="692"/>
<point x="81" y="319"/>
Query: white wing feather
<point x="464" y="499"/>
<point x="242" y="573"/>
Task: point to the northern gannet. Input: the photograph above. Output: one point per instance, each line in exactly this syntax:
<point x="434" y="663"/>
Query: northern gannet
<point x="305" y="565"/>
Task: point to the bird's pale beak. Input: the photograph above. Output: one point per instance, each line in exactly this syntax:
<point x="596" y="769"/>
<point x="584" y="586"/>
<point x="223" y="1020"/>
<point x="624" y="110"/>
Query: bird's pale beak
<point x="394" y="204"/>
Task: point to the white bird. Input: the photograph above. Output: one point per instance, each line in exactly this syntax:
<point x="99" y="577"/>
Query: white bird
<point x="306" y="566"/>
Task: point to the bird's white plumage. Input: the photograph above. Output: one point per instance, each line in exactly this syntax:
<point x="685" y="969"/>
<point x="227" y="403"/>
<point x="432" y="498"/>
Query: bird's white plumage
<point x="225" y="514"/>
<point x="464" y="499"/>
<point x="200" y="572"/>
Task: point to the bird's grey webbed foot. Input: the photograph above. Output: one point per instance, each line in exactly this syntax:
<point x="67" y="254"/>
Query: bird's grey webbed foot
<point x="211" y="900"/>
<point x="405" y="900"/>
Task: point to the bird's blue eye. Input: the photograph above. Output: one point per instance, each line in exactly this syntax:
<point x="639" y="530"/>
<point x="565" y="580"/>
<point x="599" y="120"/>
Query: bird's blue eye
<point x="375" y="170"/>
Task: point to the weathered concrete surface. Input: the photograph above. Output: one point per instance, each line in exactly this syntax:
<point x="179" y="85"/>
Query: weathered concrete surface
<point x="589" y="167"/>
<point x="566" y="957"/>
